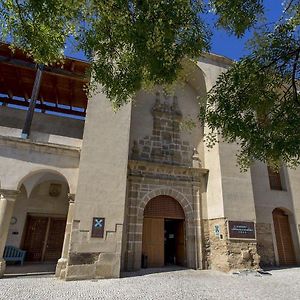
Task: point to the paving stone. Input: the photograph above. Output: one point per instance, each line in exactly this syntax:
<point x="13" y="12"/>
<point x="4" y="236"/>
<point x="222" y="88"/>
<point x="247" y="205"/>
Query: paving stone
<point x="164" y="283"/>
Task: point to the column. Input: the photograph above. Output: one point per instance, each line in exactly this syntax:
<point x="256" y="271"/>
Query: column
<point x="62" y="262"/>
<point x="197" y="216"/>
<point x="196" y="163"/>
<point x="7" y="203"/>
<point x="101" y="192"/>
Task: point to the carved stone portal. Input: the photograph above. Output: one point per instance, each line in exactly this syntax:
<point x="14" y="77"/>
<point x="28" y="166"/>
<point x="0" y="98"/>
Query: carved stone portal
<point x="164" y="145"/>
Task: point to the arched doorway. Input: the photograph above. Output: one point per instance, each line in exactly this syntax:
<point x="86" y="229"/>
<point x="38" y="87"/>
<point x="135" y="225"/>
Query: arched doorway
<point x="284" y="241"/>
<point x="40" y="216"/>
<point x="163" y="233"/>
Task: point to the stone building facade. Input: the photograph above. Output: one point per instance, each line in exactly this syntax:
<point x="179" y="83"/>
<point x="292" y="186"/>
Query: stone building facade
<point x="137" y="189"/>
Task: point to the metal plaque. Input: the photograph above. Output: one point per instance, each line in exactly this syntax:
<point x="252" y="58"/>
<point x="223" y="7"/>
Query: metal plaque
<point x="98" y="227"/>
<point x="241" y="230"/>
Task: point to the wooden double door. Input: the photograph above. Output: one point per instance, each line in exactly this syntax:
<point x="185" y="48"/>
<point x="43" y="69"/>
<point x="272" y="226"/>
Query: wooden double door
<point x="44" y="237"/>
<point x="163" y="242"/>
<point x="284" y="241"/>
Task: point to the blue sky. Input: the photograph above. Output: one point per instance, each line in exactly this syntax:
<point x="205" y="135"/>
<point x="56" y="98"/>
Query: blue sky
<point x="234" y="48"/>
<point x="223" y="43"/>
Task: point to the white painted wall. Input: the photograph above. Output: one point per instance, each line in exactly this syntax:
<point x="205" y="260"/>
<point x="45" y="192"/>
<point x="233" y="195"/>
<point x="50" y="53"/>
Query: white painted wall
<point x="19" y="159"/>
<point x="266" y="200"/>
<point x="45" y="128"/>
<point x="102" y="180"/>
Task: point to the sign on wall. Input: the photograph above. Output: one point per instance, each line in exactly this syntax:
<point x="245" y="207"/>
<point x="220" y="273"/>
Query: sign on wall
<point x="241" y="230"/>
<point x="98" y="227"/>
<point x="217" y="230"/>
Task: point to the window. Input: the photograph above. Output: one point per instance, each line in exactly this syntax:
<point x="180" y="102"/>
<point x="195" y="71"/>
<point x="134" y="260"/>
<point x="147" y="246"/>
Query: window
<point x="275" y="179"/>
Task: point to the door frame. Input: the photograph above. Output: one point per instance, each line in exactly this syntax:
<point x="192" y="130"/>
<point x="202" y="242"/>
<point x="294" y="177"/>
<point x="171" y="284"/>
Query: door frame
<point x="42" y="215"/>
<point x="180" y="222"/>
<point x="183" y="221"/>
<point x="290" y="220"/>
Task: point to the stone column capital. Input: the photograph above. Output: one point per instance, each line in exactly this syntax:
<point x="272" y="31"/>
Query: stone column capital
<point x="9" y="194"/>
<point x="71" y="198"/>
<point x="197" y="186"/>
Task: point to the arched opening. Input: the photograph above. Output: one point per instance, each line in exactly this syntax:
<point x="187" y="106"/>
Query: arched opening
<point x="39" y="217"/>
<point x="163" y="233"/>
<point x="284" y="240"/>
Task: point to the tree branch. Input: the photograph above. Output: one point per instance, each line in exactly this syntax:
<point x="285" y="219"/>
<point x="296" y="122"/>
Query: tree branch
<point x="294" y="76"/>
<point x="288" y="6"/>
<point x="295" y="51"/>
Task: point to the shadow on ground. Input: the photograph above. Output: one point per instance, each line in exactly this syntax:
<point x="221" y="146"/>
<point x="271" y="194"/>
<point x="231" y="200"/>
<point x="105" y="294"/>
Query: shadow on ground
<point x="272" y="268"/>
<point x="148" y="271"/>
<point x="29" y="269"/>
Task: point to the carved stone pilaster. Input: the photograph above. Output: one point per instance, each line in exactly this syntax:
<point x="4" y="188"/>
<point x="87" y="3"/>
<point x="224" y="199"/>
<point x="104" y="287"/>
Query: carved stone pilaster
<point x="62" y="262"/>
<point x="135" y="152"/>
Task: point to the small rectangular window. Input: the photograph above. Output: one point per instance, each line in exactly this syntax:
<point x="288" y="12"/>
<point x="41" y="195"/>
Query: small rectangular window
<point x="275" y="179"/>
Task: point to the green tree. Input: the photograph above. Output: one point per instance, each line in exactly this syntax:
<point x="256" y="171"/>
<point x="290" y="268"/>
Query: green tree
<point x="129" y="43"/>
<point x="257" y="102"/>
<point x="137" y="43"/>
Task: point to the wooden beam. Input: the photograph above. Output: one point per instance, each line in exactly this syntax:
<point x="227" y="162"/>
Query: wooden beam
<point x="48" y="70"/>
<point x="2" y="81"/>
<point x="20" y="82"/>
<point x="54" y="85"/>
<point x="33" y="99"/>
<point x="43" y="107"/>
<point x="72" y="94"/>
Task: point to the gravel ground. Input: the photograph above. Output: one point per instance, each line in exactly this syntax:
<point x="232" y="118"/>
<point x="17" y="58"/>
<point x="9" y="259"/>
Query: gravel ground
<point x="164" y="284"/>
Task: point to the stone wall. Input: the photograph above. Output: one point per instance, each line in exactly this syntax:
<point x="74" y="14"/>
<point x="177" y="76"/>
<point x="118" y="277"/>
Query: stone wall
<point x="265" y="247"/>
<point x="206" y="244"/>
<point x="147" y="180"/>
<point x="162" y="163"/>
<point x="165" y="144"/>
<point x="224" y="254"/>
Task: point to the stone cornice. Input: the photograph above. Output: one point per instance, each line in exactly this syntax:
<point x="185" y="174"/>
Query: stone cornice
<point x="9" y="193"/>
<point x="49" y="148"/>
<point x="139" y="168"/>
<point x="218" y="58"/>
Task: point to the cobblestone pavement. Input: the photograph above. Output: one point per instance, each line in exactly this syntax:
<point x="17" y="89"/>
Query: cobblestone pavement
<point x="164" y="284"/>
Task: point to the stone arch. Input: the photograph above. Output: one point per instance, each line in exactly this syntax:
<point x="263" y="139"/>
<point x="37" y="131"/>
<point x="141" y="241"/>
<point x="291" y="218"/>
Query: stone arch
<point x="195" y="77"/>
<point x="284" y="209"/>
<point x="134" y="262"/>
<point x="39" y="175"/>
<point x="186" y="206"/>
<point x="42" y="202"/>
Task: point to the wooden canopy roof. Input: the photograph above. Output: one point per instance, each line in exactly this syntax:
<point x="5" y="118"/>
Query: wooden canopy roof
<point x="62" y="86"/>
